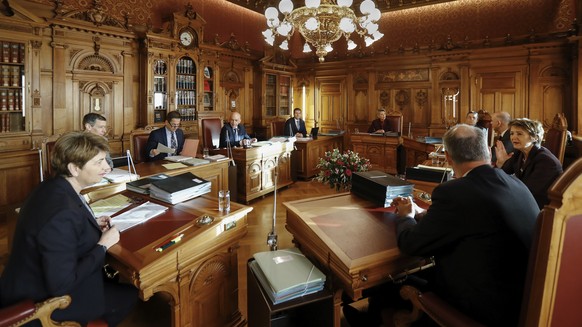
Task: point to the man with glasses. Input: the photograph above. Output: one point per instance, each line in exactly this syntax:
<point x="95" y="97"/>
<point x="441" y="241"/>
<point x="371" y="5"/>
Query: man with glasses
<point x="171" y="136"/>
<point x="233" y="132"/>
<point x="97" y="124"/>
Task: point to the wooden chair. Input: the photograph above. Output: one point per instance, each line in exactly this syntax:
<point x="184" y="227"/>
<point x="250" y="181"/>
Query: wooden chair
<point x="395" y="121"/>
<point x="138" y="140"/>
<point x="555" y="138"/>
<point x="209" y="131"/>
<point x="552" y="285"/>
<point x="278" y="127"/>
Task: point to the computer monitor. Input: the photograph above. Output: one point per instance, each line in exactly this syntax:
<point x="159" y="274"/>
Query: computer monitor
<point x="314" y="132"/>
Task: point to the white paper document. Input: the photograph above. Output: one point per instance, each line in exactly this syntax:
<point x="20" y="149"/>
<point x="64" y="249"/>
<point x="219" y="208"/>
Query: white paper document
<point x="137" y="215"/>
<point x="164" y="149"/>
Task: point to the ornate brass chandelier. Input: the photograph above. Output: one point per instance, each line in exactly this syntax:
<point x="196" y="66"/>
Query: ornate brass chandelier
<point x="322" y="22"/>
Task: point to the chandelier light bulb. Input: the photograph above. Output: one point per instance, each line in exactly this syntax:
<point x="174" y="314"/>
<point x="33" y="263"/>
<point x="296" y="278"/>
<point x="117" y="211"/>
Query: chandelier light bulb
<point x="312" y="24"/>
<point x="328" y="48"/>
<point x="271" y="13"/>
<point x="284" y="28"/>
<point x="286" y="6"/>
<point x="367" y="6"/>
<point x="368" y="41"/>
<point x="267" y="33"/>
<point x="284" y="45"/>
<point x="344" y="3"/>
<point x="351" y="45"/>
<point x="377" y="36"/>
<point x="273" y="23"/>
<point x="306" y="48"/>
<point x="312" y="3"/>
<point x="270" y="40"/>
<point x="347" y="25"/>
<point x="371" y="28"/>
<point x="375" y="15"/>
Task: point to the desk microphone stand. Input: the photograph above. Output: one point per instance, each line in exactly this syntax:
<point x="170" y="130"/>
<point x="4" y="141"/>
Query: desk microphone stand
<point x="272" y="237"/>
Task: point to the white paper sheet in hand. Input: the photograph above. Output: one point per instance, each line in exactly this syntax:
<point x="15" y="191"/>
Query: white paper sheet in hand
<point x="137" y="215"/>
<point x="164" y="149"/>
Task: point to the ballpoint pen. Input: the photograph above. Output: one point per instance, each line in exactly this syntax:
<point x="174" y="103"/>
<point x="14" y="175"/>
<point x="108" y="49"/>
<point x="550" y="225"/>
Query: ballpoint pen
<point x="169" y="243"/>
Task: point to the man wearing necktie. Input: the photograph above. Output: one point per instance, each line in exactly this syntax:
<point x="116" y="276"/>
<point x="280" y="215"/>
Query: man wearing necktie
<point x="295" y="126"/>
<point x="233" y="132"/>
<point x="170" y="135"/>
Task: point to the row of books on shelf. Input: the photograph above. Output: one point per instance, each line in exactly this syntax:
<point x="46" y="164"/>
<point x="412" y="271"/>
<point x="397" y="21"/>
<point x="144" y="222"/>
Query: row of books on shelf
<point x="11" y="123"/>
<point x="186" y="82"/>
<point x="12" y="52"/>
<point x="11" y="76"/>
<point x="185" y="97"/>
<point x="10" y="99"/>
<point x="286" y="274"/>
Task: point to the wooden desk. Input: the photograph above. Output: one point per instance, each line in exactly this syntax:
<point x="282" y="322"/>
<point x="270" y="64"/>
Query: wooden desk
<point x="416" y="151"/>
<point x="380" y="150"/>
<point x="307" y="153"/>
<point x="199" y="273"/>
<point x="256" y="166"/>
<point x="216" y="173"/>
<point x="350" y="240"/>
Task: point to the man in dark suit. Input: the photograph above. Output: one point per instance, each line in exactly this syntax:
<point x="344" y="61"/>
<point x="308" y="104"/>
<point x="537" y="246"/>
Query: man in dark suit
<point x="59" y="247"/>
<point x="233" y="132"/>
<point x="97" y="124"/>
<point x="171" y="136"/>
<point x="500" y="124"/>
<point x="295" y="126"/>
<point x="479" y="229"/>
<point x="380" y="124"/>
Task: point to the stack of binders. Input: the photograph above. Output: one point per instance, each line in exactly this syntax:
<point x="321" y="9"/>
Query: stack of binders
<point x="286" y="274"/>
<point x="143" y="185"/>
<point x="379" y="187"/>
<point x="179" y="188"/>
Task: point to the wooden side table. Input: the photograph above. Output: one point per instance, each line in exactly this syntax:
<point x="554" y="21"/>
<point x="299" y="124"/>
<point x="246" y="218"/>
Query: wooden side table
<point x="313" y="310"/>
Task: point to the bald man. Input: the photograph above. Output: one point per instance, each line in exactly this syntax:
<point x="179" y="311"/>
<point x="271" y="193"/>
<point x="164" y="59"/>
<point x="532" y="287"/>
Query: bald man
<point x="234" y="132"/>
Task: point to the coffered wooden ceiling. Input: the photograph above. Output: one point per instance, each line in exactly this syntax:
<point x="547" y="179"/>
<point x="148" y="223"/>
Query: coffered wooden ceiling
<point x="384" y="5"/>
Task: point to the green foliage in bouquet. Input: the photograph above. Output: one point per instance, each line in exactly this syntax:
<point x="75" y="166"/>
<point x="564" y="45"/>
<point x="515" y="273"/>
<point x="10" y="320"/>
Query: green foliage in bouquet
<point x="336" y="168"/>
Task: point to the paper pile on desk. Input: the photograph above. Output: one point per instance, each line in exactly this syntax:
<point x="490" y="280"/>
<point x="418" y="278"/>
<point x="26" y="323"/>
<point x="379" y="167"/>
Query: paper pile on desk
<point x="286" y="274"/>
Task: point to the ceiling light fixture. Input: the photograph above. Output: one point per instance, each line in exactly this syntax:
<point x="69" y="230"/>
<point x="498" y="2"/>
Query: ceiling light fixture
<point x="322" y="22"/>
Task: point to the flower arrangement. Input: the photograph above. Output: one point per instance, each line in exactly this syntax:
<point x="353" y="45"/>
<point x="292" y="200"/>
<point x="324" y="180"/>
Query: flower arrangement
<point x="336" y="168"/>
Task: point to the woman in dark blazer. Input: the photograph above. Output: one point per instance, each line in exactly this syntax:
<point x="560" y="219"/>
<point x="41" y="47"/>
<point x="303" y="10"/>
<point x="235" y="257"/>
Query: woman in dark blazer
<point x="59" y="246"/>
<point x="533" y="164"/>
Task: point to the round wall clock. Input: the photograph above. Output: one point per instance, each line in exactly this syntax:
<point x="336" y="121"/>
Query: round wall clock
<point x="186" y="38"/>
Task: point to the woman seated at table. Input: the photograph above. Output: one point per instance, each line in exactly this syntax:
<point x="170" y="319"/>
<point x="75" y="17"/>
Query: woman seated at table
<point x="59" y="246"/>
<point x="533" y="164"/>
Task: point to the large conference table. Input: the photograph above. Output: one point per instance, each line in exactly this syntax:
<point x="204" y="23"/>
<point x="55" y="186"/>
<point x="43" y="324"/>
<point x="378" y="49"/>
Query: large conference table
<point x="351" y="240"/>
<point x="199" y="273"/>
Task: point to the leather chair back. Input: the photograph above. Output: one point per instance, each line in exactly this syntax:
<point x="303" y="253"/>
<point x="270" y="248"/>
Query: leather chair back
<point x="555" y="137"/>
<point x="209" y="131"/>
<point x="138" y="141"/>
<point x="278" y="127"/>
<point x="49" y="147"/>
<point x="395" y="121"/>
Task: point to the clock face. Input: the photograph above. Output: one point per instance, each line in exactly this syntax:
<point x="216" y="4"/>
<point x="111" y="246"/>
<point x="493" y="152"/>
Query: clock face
<point x="186" y="38"/>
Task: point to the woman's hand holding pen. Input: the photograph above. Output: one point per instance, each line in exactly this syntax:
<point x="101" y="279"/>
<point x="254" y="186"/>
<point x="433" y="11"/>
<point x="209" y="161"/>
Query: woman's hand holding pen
<point x="104" y="223"/>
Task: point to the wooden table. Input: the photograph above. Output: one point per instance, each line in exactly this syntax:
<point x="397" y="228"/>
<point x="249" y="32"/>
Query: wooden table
<point x="199" y="273"/>
<point x="350" y="240"/>
<point x="308" y="152"/>
<point x="381" y="150"/>
<point x="256" y="166"/>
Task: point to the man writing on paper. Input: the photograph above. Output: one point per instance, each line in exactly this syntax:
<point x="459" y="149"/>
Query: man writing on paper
<point x="233" y="132"/>
<point x="166" y="141"/>
<point x="295" y="126"/>
<point x="97" y="124"/>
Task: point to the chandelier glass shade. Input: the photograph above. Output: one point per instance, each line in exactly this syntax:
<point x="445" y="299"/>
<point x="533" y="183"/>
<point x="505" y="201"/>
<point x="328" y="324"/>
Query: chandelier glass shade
<point x="321" y="23"/>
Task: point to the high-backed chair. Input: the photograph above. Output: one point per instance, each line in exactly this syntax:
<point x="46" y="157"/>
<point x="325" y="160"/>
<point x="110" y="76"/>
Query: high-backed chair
<point x="555" y="137"/>
<point x="395" y="121"/>
<point x="278" y="127"/>
<point x="209" y="131"/>
<point x="552" y="286"/>
<point x="137" y="143"/>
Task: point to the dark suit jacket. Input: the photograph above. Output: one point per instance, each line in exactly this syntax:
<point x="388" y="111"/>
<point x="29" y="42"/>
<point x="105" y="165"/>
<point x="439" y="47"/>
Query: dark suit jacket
<point x="538" y="173"/>
<point x="291" y="126"/>
<point x="242" y="134"/>
<point x="377" y="125"/>
<point x="479" y="229"/>
<point x="55" y="252"/>
<point x="505" y="139"/>
<point x="159" y="136"/>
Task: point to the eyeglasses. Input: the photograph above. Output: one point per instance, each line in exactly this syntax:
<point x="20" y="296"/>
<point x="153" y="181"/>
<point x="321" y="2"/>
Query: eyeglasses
<point x="175" y="125"/>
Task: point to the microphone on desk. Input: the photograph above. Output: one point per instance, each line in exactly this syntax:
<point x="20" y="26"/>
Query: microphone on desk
<point x="130" y="165"/>
<point x="229" y="148"/>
